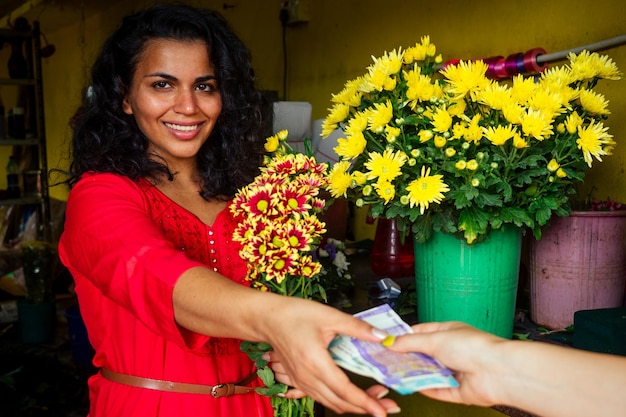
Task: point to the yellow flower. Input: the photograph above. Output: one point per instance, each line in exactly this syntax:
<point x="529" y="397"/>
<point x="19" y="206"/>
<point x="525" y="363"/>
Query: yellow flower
<point x="420" y="87"/>
<point x="587" y="65"/>
<point x="523" y="88"/>
<point x="594" y="102"/>
<point x="358" y="123"/>
<point x="591" y="140"/>
<point x="440" y="141"/>
<point x="556" y="78"/>
<point x="561" y="173"/>
<point x="271" y="144"/>
<point x="328" y="127"/>
<point x="608" y="70"/>
<point x="572" y="122"/>
<point x="500" y="134"/>
<point x="387" y="166"/>
<point x="379" y="116"/>
<point x="442" y="121"/>
<point x="390" y="84"/>
<point x="494" y="95"/>
<point x="474" y="132"/>
<point x="553" y="165"/>
<point x="426" y="189"/>
<point x="472" y="165"/>
<point x="548" y="103"/>
<point x="519" y="142"/>
<point x="513" y="112"/>
<point x="458" y="130"/>
<point x="466" y="77"/>
<point x="457" y="108"/>
<point x="358" y="178"/>
<point x="378" y="73"/>
<point x="461" y="165"/>
<point x="338" y="113"/>
<point x="385" y="190"/>
<point x="425" y="135"/>
<point x="339" y="179"/>
<point x="535" y="124"/>
<point x="349" y="95"/>
<point x="420" y="51"/>
<point x="450" y="152"/>
<point x="392" y="133"/>
<point x="351" y="146"/>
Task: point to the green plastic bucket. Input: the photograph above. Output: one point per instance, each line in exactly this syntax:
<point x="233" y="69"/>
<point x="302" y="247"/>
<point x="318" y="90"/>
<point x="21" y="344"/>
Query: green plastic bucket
<point x="475" y="284"/>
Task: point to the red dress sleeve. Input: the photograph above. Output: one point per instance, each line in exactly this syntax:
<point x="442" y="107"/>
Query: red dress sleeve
<point x="111" y="239"/>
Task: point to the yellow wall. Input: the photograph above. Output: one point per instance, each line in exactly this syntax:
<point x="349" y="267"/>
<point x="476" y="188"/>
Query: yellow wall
<point x="337" y="42"/>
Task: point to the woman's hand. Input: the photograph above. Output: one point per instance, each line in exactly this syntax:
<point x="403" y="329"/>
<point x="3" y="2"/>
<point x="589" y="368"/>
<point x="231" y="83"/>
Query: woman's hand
<point x="377" y="392"/>
<point x="301" y="358"/>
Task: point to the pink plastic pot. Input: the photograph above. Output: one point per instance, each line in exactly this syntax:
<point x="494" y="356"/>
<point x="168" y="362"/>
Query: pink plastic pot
<point x="578" y="264"/>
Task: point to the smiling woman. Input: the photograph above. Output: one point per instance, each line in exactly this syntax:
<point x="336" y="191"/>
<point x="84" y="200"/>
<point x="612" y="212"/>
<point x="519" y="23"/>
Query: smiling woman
<point x="173" y="128"/>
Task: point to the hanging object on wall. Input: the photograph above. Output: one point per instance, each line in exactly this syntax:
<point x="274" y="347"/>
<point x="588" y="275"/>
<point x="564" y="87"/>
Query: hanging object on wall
<point x="534" y="61"/>
<point x="48" y="49"/>
<point x="18" y="66"/>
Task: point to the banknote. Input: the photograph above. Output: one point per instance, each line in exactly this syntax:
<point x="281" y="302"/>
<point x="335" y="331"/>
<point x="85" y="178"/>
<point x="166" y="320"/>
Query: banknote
<point x="405" y="373"/>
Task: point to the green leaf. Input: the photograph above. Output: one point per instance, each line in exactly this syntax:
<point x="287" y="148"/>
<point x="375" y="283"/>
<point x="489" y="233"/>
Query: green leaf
<point x="473" y="222"/>
<point x="543" y="216"/>
<point x="486" y="199"/>
<point x="267" y="376"/>
<point x="517" y="216"/>
<point x="255" y="351"/>
<point x="422" y="228"/>
<point x="272" y="391"/>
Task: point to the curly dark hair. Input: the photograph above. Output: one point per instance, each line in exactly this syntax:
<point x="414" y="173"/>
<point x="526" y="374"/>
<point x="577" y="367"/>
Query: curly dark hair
<point x="105" y="139"/>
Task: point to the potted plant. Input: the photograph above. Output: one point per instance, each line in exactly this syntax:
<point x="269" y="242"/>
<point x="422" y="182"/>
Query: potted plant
<point x="463" y="160"/>
<point x="37" y="311"/>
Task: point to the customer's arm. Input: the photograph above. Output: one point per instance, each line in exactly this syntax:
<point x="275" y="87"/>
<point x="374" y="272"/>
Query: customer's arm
<point x="537" y="377"/>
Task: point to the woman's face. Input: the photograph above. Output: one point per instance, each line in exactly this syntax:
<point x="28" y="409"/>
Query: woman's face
<point x="174" y="98"/>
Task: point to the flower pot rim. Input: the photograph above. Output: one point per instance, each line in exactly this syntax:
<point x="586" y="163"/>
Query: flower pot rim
<point x="598" y="213"/>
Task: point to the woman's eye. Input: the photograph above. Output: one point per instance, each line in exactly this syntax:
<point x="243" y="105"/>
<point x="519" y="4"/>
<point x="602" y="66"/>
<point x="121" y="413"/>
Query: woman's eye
<point x="161" y="84"/>
<point x="206" y="87"/>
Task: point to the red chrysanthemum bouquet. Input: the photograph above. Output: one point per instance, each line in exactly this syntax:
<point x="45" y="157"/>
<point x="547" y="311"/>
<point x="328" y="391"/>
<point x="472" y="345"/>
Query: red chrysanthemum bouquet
<point x="278" y="229"/>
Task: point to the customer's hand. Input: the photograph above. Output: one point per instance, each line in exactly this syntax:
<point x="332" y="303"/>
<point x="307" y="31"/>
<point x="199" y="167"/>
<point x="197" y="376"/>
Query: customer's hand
<point x="468" y="351"/>
<point x="540" y="378"/>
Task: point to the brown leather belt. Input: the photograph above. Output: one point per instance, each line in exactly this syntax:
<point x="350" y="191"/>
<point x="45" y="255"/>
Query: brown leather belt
<point x="216" y="391"/>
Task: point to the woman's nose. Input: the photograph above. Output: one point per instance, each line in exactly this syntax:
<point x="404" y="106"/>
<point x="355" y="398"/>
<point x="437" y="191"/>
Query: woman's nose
<point x="185" y="102"/>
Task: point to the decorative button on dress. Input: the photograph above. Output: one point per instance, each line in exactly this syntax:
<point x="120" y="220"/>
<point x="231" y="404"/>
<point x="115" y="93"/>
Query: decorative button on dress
<point x="125" y="243"/>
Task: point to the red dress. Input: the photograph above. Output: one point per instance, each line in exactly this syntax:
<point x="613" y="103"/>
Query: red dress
<point x="126" y="244"/>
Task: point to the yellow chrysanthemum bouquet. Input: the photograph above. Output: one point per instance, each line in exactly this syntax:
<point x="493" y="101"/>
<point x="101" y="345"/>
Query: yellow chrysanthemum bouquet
<point x="453" y="151"/>
<point x="279" y="230"/>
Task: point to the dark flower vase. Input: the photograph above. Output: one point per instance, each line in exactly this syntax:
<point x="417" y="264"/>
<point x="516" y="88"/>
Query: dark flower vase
<point x="390" y="256"/>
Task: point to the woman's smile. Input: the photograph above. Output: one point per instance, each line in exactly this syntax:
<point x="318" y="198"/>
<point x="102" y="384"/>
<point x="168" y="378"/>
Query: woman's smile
<point x="182" y="128"/>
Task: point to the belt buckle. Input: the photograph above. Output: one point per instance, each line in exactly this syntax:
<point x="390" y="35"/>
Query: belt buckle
<point x="214" y="390"/>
